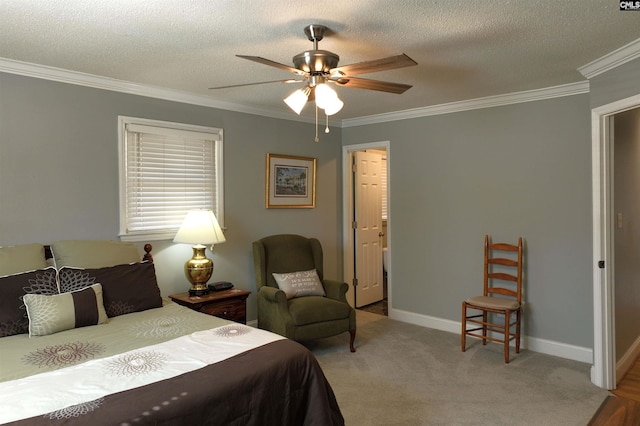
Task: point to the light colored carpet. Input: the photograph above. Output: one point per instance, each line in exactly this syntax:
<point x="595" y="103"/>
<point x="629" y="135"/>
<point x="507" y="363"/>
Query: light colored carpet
<point x="404" y="374"/>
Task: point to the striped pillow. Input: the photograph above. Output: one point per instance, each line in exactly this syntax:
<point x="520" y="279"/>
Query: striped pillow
<point x="51" y="314"/>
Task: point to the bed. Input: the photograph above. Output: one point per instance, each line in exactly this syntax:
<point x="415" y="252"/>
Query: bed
<point x="145" y="360"/>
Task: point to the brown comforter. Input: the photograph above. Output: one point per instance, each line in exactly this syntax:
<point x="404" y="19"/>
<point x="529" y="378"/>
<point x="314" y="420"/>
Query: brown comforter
<point x="279" y="383"/>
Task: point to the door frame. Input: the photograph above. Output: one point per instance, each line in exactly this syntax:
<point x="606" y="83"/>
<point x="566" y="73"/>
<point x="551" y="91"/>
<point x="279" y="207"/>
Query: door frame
<point x="348" y="210"/>
<point x="603" y="371"/>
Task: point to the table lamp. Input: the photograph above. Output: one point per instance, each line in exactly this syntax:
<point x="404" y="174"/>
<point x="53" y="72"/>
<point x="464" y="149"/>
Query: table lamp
<point x="201" y="228"/>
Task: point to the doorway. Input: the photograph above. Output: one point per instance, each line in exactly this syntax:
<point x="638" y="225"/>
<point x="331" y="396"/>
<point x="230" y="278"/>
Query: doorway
<point x="603" y="372"/>
<point x="626" y="234"/>
<point x="367" y="226"/>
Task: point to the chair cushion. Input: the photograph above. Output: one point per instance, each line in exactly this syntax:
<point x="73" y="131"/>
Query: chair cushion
<point x="312" y="309"/>
<point x="493" y="302"/>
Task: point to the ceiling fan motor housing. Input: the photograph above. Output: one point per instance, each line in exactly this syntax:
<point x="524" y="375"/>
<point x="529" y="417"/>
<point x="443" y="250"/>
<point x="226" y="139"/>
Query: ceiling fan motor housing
<point x="316" y="61"/>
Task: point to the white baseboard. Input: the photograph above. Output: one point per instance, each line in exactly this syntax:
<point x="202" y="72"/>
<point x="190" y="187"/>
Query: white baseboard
<point x="549" y="347"/>
<point x="628" y="359"/>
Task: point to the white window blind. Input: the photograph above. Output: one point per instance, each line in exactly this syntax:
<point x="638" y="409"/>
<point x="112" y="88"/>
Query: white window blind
<point x="168" y="169"/>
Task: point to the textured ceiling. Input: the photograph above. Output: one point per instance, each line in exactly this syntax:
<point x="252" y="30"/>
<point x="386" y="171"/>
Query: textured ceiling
<point x="465" y="49"/>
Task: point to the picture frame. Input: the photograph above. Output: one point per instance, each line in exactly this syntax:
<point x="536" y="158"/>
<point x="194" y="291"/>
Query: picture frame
<point x="290" y="182"/>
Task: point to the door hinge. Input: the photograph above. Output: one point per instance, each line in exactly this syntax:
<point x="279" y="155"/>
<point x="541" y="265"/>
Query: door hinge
<point x="354" y="168"/>
<point x="354" y="225"/>
<point x="355" y="282"/>
<point x="601" y="264"/>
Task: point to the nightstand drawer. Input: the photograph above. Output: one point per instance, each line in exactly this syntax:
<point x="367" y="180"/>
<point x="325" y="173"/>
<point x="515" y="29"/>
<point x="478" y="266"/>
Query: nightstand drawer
<point x="228" y="304"/>
<point x="234" y="310"/>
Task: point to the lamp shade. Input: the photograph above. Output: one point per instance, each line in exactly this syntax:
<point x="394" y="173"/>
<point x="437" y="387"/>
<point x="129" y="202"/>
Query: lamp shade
<point x="200" y="227"/>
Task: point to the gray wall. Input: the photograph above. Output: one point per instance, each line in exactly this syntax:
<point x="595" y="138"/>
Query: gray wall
<point x="59" y="175"/>
<point x="507" y="171"/>
<point x="517" y="170"/>
<point x="627" y="235"/>
<point x="619" y="83"/>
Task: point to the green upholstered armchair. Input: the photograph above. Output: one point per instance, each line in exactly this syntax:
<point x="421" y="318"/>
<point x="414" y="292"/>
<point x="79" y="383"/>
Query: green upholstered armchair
<point x="299" y="318"/>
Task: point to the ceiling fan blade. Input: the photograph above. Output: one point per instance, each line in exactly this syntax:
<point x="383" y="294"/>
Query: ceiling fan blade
<point x="272" y="64"/>
<point x="253" y="84"/>
<point x="389" y="63"/>
<point x="381" y="86"/>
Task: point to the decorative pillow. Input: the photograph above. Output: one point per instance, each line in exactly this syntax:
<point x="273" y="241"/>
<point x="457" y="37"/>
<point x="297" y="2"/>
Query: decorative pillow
<point x="22" y="258"/>
<point x="13" y="316"/>
<point x="94" y="253"/>
<point x="126" y="288"/>
<point x="52" y="314"/>
<point x="300" y="284"/>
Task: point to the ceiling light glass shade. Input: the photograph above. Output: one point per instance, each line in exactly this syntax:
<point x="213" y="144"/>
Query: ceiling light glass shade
<point x="325" y="95"/>
<point x="298" y="99"/>
<point x="334" y="106"/>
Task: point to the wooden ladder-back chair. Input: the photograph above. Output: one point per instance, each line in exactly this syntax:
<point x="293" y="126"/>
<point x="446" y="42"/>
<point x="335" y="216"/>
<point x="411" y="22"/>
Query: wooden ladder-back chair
<point x="498" y="297"/>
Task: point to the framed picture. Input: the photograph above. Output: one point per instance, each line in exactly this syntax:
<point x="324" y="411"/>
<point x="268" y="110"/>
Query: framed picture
<point x="291" y="182"/>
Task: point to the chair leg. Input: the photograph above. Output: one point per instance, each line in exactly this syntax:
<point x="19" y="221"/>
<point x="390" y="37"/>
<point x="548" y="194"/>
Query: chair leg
<point x="507" y="330"/>
<point x="463" y="335"/>
<point x="518" y="317"/>
<point x="351" y="340"/>
<point x="484" y="327"/>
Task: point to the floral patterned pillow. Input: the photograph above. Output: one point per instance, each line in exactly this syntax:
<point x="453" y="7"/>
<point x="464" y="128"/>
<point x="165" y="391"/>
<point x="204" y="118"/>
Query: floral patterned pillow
<point x="126" y="288"/>
<point x="13" y="315"/>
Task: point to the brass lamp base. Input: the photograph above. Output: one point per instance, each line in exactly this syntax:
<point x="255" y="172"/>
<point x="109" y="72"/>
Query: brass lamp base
<point x="193" y="292"/>
<point x="198" y="270"/>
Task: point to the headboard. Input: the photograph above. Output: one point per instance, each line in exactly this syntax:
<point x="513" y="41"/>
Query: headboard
<point x="48" y="254"/>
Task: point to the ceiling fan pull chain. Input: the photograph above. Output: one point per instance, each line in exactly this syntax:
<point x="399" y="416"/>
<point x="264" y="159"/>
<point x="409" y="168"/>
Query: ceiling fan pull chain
<point x="326" y="129"/>
<point x="316" y="139"/>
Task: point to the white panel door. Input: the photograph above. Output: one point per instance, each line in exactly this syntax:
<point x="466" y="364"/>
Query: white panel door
<point x="368" y="232"/>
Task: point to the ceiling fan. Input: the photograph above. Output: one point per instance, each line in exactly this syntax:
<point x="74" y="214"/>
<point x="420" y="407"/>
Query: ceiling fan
<point x="318" y="68"/>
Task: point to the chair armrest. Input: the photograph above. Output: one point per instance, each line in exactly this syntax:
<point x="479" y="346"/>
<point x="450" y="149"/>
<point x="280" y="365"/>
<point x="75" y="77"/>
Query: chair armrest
<point x="273" y="312"/>
<point x="336" y="290"/>
<point x="273" y="295"/>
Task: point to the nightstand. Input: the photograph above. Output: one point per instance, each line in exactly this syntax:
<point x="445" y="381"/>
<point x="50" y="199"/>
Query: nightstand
<point x="228" y="304"/>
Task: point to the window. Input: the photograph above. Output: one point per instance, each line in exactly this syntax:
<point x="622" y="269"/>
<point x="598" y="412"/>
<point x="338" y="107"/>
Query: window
<point x="166" y="169"/>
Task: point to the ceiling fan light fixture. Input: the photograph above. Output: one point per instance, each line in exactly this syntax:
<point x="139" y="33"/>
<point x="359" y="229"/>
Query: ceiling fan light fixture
<point x="298" y="99"/>
<point x="325" y="95"/>
<point x="334" y="106"/>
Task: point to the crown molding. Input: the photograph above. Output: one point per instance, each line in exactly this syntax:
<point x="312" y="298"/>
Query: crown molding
<point x="89" y="80"/>
<point x="487" y="102"/>
<point x="611" y="60"/>
<point x="98" y="82"/>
